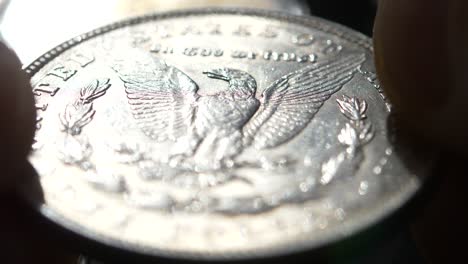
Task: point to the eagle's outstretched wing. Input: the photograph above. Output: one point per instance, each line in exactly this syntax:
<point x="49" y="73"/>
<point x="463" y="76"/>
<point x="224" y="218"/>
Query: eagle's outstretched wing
<point x="291" y="102"/>
<point x="161" y="97"/>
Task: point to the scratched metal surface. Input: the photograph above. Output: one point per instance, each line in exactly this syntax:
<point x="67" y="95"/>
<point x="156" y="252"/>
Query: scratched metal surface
<point x="216" y="134"/>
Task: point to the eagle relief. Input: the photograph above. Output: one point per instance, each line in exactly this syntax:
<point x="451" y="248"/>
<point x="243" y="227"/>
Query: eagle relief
<point x="208" y="133"/>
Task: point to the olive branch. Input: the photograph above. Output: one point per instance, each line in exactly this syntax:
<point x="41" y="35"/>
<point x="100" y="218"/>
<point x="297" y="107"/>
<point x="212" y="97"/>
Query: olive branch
<point x="80" y="113"/>
<point x="77" y="150"/>
<point x="356" y="133"/>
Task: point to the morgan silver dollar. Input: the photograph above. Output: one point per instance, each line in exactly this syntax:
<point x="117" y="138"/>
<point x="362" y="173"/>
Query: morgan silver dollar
<point x="215" y="133"/>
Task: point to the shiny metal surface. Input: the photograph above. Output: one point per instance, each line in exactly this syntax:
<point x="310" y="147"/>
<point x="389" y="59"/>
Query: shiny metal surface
<point x="216" y="134"/>
<point x="47" y="23"/>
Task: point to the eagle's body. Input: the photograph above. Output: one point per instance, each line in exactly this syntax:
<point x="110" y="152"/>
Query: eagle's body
<point x="222" y="113"/>
<point x="218" y="123"/>
<point x="210" y="131"/>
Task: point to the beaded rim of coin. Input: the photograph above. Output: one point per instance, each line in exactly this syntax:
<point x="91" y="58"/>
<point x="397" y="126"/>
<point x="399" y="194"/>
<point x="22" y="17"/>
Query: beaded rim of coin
<point x="338" y="233"/>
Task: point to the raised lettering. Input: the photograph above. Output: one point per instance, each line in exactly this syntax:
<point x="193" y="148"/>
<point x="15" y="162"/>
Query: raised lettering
<point x="62" y="72"/>
<point x="214" y="29"/>
<point x="45" y="88"/>
<point x="218" y="53"/>
<point x="191" y="30"/>
<point x="38" y="123"/>
<point x="242" y="31"/>
<point x="303" y="39"/>
<point x="238" y="54"/>
<point x="164" y="31"/>
<point x="41" y="107"/>
<point x="191" y="51"/>
<point x="205" y="52"/>
<point x="82" y="59"/>
<point x="268" y="32"/>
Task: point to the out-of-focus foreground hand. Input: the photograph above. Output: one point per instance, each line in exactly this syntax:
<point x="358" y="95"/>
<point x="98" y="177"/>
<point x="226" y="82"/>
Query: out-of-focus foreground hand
<point x="22" y="239"/>
<point x="422" y="61"/>
<point x="421" y="52"/>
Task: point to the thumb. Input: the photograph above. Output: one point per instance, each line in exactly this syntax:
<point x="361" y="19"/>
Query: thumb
<point x="17" y="118"/>
<point x="422" y="62"/>
<point x="23" y="240"/>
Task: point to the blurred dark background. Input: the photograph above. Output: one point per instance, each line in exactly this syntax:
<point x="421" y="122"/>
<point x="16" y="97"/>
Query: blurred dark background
<point x="356" y="14"/>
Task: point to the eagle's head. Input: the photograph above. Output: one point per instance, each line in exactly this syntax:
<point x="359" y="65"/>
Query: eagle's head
<point x="241" y="84"/>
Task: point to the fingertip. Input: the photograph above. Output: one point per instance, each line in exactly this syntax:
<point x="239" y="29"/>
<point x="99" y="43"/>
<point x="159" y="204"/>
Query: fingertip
<point x="17" y="117"/>
<point x="413" y="57"/>
<point x="411" y="52"/>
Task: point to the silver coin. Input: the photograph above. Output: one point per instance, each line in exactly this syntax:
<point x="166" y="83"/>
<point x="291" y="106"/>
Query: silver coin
<point x="216" y="134"/>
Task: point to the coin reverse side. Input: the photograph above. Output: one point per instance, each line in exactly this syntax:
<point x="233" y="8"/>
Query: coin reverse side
<point x="215" y="134"/>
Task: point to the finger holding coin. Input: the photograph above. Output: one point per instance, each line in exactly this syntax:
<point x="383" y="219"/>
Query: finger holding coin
<point x="22" y="240"/>
<point x="422" y="62"/>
